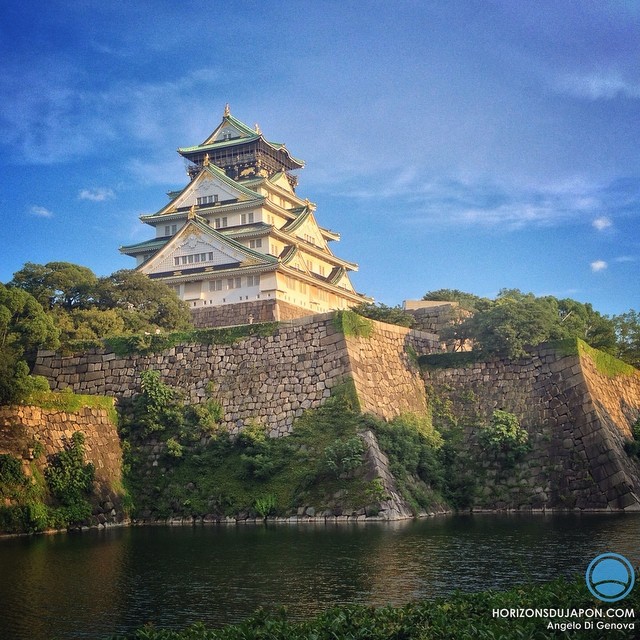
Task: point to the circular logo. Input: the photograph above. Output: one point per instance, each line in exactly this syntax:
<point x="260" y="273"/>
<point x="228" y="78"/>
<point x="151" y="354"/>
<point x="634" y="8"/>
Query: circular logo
<point x="610" y="577"/>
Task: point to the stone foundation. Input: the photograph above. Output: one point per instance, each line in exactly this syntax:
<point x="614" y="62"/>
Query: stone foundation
<point x="269" y="379"/>
<point x="246" y="313"/>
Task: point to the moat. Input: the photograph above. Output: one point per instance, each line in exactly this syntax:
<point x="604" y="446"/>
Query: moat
<point x="96" y="583"/>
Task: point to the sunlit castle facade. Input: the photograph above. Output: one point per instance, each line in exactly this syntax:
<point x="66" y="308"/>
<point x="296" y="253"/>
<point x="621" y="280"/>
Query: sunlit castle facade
<point x="237" y="243"/>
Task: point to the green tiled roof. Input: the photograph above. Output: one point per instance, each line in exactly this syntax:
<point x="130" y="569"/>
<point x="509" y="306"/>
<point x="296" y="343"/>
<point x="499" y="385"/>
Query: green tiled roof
<point x="148" y="245"/>
<point x="247" y="135"/>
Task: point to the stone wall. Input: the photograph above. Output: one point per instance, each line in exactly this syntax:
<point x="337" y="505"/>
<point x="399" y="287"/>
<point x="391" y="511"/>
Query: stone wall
<point x="246" y="313"/>
<point x="577" y="419"/>
<point x="271" y="379"/>
<point x="385" y="372"/>
<point x="22" y="426"/>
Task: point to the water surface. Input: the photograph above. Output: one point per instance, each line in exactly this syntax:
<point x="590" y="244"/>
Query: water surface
<point x="92" y="584"/>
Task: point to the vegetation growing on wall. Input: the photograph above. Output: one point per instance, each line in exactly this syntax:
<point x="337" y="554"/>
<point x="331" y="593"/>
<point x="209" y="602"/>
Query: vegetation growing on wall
<point x="606" y="364"/>
<point x="351" y="324"/>
<point x="146" y="343"/>
<point x="59" y="498"/>
<point x="413" y="447"/>
<point x="503" y="438"/>
<point x="70" y="402"/>
<point x="321" y="464"/>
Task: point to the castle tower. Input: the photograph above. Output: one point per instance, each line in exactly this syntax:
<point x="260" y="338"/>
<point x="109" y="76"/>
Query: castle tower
<point x="237" y="243"/>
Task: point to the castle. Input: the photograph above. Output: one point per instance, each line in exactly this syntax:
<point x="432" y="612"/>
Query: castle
<point x="237" y="243"/>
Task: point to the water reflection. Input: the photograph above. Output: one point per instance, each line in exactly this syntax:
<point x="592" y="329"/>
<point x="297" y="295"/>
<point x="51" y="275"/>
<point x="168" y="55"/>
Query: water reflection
<point x="90" y="585"/>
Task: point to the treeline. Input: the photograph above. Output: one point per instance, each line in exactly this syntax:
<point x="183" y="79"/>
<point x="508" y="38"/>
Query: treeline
<point x="58" y="303"/>
<point x="514" y="321"/>
<point x="52" y="305"/>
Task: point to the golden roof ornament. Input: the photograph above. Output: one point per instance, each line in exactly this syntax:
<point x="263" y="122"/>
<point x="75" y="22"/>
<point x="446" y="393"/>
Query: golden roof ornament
<point x="206" y="162"/>
<point x="192" y="212"/>
<point x="257" y="128"/>
<point x="227" y="110"/>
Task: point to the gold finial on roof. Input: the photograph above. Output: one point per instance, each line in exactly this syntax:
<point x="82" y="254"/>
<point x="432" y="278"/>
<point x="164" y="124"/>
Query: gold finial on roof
<point x="227" y="110"/>
<point x="192" y="212"/>
<point x="257" y="128"/>
<point x="206" y="161"/>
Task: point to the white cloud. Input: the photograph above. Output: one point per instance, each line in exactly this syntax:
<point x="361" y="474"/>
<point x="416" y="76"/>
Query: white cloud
<point x="602" y="223"/>
<point x="598" y="265"/>
<point x="96" y="195"/>
<point x="625" y="259"/>
<point x="41" y="212"/>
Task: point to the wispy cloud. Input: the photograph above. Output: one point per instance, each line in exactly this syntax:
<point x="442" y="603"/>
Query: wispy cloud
<point x="598" y="86"/>
<point x="476" y="202"/>
<point x="598" y="265"/>
<point x="40" y="212"/>
<point x="625" y="259"/>
<point x="96" y="195"/>
<point x="602" y="223"/>
<point x="51" y="117"/>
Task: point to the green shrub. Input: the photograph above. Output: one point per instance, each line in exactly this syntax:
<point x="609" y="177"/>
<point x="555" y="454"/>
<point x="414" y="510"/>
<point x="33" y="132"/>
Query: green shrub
<point x="504" y="437"/>
<point x="70" y="480"/>
<point x="459" y="616"/>
<point x="266" y="505"/>
<point x="174" y="448"/>
<point x="412" y="446"/>
<point x="344" y="456"/>
<point x="632" y="447"/>
<point x="11" y="473"/>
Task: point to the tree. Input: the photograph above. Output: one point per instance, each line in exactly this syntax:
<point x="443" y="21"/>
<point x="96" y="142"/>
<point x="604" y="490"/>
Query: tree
<point x="512" y="323"/>
<point x="85" y="307"/>
<point x="142" y="303"/>
<point x="383" y="313"/>
<point x="466" y="300"/>
<point x="577" y="319"/>
<point x="24" y="327"/>
<point x="57" y="284"/>
<point x="515" y="321"/>
<point x="627" y="329"/>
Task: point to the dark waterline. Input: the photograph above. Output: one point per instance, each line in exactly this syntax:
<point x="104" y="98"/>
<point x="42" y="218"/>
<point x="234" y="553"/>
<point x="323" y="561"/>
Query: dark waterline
<point x="97" y="583"/>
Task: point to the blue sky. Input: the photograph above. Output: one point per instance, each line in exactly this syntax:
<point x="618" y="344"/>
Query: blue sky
<point x="469" y="145"/>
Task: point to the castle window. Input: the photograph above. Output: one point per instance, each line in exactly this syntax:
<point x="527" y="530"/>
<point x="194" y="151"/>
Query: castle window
<point x="176" y="261"/>
<point x="215" y="285"/>
<point x="253" y="244"/>
<point x="220" y="222"/>
<point x="234" y="283"/>
<point x="246" y="218"/>
<point x="253" y="281"/>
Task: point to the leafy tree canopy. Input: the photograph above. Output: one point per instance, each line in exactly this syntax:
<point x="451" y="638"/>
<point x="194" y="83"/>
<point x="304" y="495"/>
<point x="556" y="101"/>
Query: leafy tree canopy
<point x="24" y="327"/>
<point x="57" y="284"/>
<point x="466" y="300"/>
<point x="85" y="307"/>
<point x="141" y="302"/>
<point x="627" y="330"/>
<point x="515" y="321"/>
